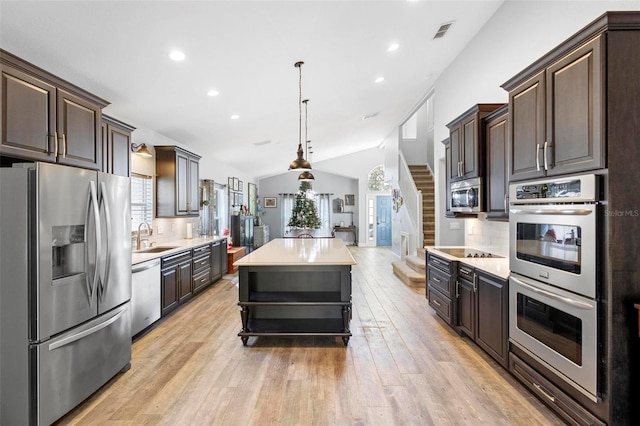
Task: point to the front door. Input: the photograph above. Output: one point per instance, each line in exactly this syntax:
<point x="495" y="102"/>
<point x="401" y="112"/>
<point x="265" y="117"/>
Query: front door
<point x="383" y="220"/>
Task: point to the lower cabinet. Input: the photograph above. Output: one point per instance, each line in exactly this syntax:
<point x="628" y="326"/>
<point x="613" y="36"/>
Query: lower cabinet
<point x="189" y="272"/>
<point x="175" y="280"/>
<point x="440" y="284"/>
<point x="483" y="309"/>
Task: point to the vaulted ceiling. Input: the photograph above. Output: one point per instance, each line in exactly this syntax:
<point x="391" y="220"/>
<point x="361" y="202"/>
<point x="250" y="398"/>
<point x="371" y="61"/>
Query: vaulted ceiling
<point x="246" y="50"/>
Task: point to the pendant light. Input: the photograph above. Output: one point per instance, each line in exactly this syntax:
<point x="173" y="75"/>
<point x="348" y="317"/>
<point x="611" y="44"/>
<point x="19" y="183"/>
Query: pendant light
<point x="300" y="163"/>
<point x="306" y="175"/>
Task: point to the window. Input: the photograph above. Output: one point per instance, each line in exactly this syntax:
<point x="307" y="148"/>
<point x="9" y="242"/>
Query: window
<point x="141" y="200"/>
<point x="376" y="180"/>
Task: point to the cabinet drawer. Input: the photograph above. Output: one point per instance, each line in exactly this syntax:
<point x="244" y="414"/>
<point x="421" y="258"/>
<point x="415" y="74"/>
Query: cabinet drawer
<point x="572" y="412"/>
<point x="440" y="263"/>
<point x="198" y="251"/>
<point x="439" y="280"/>
<point x="201" y="280"/>
<point x="201" y="263"/>
<point x="176" y="258"/>
<point x="465" y="272"/>
<point x="442" y="305"/>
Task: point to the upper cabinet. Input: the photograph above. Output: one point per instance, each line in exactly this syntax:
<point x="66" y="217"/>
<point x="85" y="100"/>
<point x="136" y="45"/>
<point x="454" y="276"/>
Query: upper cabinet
<point x="46" y="118"/>
<point x="556" y="114"/>
<point x="467" y="143"/>
<point x="116" y="147"/>
<point x="177" y="179"/>
<point x="496" y="127"/>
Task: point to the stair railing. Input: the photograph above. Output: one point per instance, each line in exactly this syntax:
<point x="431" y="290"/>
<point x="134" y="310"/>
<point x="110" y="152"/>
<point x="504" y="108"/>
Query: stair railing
<point x="412" y="200"/>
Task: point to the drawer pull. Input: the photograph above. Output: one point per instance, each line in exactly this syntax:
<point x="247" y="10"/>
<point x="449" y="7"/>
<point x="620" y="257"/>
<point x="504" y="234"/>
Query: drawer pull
<point x="544" y="392"/>
<point x="436" y="279"/>
<point x="465" y="271"/>
<point x="435" y="302"/>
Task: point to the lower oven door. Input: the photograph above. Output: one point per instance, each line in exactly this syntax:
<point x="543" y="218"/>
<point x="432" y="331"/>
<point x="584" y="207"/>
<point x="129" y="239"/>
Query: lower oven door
<point x="556" y="327"/>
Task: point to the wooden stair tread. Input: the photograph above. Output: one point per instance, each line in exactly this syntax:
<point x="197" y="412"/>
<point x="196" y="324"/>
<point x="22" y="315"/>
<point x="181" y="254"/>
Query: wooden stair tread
<point x="408" y="275"/>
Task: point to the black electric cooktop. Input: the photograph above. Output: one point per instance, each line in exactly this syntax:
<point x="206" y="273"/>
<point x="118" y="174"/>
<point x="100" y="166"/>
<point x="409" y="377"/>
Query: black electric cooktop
<point x="466" y="252"/>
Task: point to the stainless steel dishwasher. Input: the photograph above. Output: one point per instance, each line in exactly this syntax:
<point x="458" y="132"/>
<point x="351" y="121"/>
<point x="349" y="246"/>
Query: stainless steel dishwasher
<point x="145" y="295"/>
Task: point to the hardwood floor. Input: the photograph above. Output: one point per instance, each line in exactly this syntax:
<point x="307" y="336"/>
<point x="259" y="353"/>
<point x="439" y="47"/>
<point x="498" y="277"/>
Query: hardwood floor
<point x="402" y="366"/>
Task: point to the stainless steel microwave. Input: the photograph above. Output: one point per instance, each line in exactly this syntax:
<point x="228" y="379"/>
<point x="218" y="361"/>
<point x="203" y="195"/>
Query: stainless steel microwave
<point x="466" y="196"/>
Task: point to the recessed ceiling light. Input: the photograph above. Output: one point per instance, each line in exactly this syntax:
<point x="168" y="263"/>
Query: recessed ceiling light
<point x="213" y="93"/>
<point x="235" y="116"/>
<point x="393" y="46"/>
<point x="380" y="79"/>
<point x="177" y="55"/>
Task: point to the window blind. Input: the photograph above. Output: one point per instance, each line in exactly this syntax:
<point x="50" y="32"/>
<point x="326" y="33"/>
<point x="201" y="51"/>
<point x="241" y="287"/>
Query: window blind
<point x="141" y="201"/>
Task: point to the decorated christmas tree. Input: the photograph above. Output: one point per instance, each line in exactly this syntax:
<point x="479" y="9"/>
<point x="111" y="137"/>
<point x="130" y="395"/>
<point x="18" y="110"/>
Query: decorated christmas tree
<point x="305" y="213"/>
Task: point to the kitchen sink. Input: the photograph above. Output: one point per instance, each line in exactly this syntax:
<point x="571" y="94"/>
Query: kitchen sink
<point x="154" y="250"/>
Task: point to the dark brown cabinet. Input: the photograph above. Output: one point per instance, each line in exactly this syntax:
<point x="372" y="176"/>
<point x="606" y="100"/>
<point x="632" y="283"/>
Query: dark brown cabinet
<point x="482" y="310"/>
<point x="557" y="116"/>
<point x="466" y="295"/>
<point x="218" y="259"/>
<point x="492" y="320"/>
<point x="116" y="147"/>
<point x="467" y="143"/>
<point x="175" y="280"/>
<point x="202" y="267"/>
<point x="46" y="118"/>
<point x="177" y="179"/>
<point x="496" y="127"/>
<point x="440" y="287"/>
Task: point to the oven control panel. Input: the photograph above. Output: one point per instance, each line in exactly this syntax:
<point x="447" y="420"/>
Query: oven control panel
<point x="575" y="189"/>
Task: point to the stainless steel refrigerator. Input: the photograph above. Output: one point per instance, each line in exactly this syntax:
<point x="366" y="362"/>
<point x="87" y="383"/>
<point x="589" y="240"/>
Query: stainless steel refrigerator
<point x="65" y="286"/>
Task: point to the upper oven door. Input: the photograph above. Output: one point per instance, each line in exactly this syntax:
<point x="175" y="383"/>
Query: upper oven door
<point x="555" y="244"/>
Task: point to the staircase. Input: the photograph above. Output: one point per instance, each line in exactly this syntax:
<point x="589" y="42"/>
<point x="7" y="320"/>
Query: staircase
<point x="412" y="270"/>
<point x="424" y="182"/>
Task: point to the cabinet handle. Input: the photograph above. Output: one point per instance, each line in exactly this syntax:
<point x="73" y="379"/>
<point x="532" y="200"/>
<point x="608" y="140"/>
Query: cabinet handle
<point x="475" y="282"/>
<point x="465" y="271"/>
<point x="64" y="145"/>
<point x="544" y="153"/>
<point x="459" y="168"/>
<point x="55" y="145"/>
<point x="505" y="202"/>
<point x="457" y="290"/>
<point x="436" y="279"/>
<point x="435" y="302"/>
<point x="544" y="392"/>
<point x="538" y="157"/>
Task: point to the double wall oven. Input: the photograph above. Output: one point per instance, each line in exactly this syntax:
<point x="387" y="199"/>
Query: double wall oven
<point x="553" y="231"/>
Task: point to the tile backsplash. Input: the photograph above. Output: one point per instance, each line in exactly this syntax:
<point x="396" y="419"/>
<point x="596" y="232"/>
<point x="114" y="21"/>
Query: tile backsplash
<point x="172" y="229"/>
<point x="490" y="236"/>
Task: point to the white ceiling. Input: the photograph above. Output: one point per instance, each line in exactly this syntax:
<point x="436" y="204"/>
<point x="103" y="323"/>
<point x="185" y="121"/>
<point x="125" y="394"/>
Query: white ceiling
<point x="119" y="50"/>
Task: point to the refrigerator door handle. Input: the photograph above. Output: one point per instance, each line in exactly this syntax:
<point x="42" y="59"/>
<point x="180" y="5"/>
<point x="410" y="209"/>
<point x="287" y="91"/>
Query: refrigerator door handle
<point x="92" y="205"/>
<point x="81" y="335"/>
<point x="104" y="201"/>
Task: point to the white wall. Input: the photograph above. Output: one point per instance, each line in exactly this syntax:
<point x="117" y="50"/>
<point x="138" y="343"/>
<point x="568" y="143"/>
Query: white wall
<point x="519" y="33"/>
<point x="324" y="183"/>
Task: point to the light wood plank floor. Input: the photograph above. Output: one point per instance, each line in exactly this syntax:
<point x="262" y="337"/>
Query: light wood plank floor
<point x="402" y="366"/>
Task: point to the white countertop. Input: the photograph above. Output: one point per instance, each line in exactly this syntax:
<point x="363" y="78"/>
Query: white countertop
<point x="178" y="246"/>
<point x="498" y="266"/>
<point x="299" y="251"/>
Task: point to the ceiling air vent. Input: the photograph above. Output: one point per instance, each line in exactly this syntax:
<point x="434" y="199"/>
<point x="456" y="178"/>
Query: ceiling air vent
<point x="262" y="143"/>
<point x="368" y="116"/>
<point x="442" y="30"/>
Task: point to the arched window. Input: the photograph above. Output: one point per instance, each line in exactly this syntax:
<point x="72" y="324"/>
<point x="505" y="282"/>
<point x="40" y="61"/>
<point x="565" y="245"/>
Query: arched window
<point x="376" y="180"/>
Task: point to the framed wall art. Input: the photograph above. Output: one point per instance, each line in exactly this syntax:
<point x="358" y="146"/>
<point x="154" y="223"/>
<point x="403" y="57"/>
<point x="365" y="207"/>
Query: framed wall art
<point x="349" y="200"/>
<point x="270" y="202"/>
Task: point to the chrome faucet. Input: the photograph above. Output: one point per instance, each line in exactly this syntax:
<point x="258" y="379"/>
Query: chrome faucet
<point x="149" y="233"/>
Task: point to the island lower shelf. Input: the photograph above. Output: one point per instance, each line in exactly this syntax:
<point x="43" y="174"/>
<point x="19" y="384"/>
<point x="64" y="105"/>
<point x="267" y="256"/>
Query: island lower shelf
<point x="300" y="300"/>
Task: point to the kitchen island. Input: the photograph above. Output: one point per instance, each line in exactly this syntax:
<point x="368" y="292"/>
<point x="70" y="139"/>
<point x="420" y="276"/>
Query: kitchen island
<point x="296" y="287"/>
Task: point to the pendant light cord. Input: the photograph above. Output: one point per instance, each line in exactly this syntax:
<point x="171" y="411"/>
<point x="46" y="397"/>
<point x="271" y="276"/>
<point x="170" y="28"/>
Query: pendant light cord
<point x="306" y="140"/>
